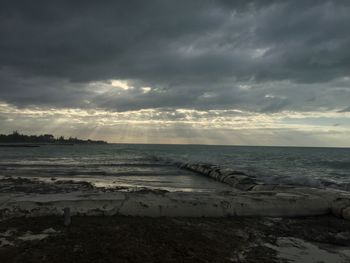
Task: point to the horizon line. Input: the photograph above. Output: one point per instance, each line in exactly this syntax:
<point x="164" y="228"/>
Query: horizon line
<point x="230" y="145"/>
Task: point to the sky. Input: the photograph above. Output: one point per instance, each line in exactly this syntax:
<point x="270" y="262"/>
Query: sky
<point x="186" y="71"/>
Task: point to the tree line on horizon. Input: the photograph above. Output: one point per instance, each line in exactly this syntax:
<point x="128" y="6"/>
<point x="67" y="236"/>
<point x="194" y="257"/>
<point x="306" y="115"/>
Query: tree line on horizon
<point x="16" y="137"/>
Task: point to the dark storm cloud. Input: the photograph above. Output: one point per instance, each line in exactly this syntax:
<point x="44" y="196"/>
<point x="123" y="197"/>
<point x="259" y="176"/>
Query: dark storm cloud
<point x="192" y="53"/>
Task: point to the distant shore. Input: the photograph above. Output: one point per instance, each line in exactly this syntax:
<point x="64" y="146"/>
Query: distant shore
<point x="21" y="140"/>
<point x="41" y="144"/>
<point x="19" y="145"/>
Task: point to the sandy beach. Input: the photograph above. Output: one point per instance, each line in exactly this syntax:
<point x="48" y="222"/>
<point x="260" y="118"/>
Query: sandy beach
<point x="273" y="223"/>
<point x="143" y="239"/>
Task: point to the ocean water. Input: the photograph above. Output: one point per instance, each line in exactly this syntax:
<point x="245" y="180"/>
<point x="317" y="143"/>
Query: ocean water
<point x="136" y="165"/>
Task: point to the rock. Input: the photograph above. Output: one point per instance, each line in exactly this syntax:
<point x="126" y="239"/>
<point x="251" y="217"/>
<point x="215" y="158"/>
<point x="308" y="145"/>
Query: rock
<point x="172" y="204"/>
<point x="67" y="219"/>
<point x="343" y="236"/>
<point x="49" y="231"/>
<point x="215" y="174"/>
<point x="346" y="213"/>
<point x="225" y="175"/>
<point x="264" y="187"/>
<point x="339" y="205"/>
<point x="232" y="181"/>
<point x="244" y="187"/>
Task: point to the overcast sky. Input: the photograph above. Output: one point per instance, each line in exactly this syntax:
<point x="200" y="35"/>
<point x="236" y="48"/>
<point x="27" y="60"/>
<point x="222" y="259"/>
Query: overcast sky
<point x="184" y="71"/>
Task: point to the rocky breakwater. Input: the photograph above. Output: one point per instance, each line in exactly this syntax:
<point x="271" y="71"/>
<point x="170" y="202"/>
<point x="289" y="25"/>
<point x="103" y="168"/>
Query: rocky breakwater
<point x="168" y="204"/>
<point x="249" y="197"/>
<point x="337" y="201"/>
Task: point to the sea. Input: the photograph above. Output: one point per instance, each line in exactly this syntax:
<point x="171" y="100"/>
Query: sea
<point x="154" y="166"/>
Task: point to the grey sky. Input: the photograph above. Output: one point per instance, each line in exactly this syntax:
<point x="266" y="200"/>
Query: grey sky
<point x="257" y="57"/>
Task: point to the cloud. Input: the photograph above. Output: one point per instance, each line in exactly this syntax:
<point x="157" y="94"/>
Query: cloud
<point x="347" y="109"/>
<point x="52" y="53"/>
<point x="239" y="71"/>
<point x="228" y="126"/>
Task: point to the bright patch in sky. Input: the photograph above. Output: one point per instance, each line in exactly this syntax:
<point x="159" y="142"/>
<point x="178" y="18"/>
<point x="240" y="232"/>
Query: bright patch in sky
<point x="121" y="84"/>
<point x="187" y="125"/>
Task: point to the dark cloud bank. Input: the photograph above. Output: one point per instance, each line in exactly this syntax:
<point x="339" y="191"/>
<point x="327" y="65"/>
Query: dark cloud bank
<point x="253" y="55"/>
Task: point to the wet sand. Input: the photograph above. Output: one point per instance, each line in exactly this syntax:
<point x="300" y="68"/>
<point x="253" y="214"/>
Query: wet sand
<point x="140" y="239"/>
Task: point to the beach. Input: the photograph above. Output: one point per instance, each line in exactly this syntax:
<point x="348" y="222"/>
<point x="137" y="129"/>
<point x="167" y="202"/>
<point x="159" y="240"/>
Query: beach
<point x="162" y="210"/>
<point x="123" y="225"/>
<point x="143" y="239"/>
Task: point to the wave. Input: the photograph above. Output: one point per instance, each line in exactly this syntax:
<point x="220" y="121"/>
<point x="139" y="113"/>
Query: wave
<point x="336" y="164"/>
<point x="296" y="180"/>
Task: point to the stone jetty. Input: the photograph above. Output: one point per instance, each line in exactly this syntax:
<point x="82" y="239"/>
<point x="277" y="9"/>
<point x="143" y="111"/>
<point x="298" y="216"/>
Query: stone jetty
<point x="337" y="201"/>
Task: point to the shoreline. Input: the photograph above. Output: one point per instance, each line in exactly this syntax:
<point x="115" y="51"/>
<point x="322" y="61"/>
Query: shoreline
<point x="82" y="198"/>
<point x="251" y="222"/>
<point x="247" y="196"/>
